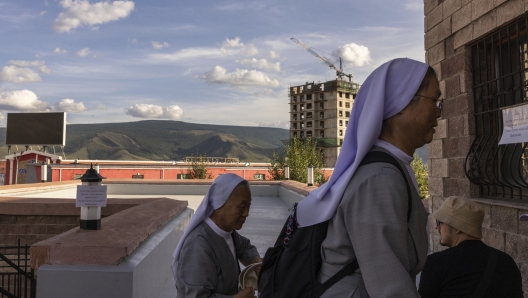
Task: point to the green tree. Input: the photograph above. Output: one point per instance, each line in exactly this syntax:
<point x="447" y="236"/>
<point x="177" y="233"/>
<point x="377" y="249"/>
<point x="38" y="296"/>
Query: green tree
<point x="298" y="154"/>
<point x="198" y="168"/>
<point x="420" y="171"/>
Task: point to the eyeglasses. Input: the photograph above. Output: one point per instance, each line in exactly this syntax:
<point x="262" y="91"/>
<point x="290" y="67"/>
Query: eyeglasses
<point x="438" y="223"/>
<point x="439" y="102"/>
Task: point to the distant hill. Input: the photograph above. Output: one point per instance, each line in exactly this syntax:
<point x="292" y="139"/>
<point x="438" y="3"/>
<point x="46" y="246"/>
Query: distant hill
<point x="169" y="140"/>
<point x="166" y="140"/>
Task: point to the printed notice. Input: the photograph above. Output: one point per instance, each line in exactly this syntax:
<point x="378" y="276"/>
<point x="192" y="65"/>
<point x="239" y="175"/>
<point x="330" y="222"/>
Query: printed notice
<point x="91" y="195"/>
<point x="515" y="122"/>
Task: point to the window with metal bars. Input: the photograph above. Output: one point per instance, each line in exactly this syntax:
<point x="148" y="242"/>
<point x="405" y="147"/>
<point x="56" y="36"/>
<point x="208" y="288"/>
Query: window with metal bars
<point x="500" y="77"/>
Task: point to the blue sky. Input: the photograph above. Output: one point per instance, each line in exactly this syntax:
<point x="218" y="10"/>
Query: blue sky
<point x="217" y="62"/>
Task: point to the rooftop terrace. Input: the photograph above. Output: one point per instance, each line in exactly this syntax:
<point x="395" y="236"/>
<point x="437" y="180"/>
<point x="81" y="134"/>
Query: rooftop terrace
<point x="127" y="237"/>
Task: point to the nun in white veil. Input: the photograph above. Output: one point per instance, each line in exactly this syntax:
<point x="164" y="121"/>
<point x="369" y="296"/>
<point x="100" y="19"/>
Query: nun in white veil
<point x="395" y="111"/>
<point x="206" y="258"/>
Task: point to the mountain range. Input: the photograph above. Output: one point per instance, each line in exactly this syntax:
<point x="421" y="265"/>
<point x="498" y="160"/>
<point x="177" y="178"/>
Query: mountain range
<point x="168" y="140"/>
<point x="165" y="140"/>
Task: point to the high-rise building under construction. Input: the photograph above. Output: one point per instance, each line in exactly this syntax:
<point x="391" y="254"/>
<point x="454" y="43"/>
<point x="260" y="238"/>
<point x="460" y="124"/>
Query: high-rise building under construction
<point x="321" y="111"/>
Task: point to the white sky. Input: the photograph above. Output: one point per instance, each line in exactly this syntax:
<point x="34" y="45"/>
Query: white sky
<point x="219" y="62"/>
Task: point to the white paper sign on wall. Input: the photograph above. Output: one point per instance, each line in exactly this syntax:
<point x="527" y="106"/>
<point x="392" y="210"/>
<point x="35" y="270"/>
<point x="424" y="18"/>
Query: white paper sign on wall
<point x="91" y="195"/>
<point x="515" y="125"/>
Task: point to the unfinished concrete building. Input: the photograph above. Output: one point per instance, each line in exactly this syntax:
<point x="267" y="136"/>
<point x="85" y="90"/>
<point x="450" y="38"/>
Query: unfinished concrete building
<point x="321" y="111"/>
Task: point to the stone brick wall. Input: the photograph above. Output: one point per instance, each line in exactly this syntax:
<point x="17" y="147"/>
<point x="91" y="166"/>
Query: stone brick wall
<point x="31" y="229"/>
<point x="450" y="26"/>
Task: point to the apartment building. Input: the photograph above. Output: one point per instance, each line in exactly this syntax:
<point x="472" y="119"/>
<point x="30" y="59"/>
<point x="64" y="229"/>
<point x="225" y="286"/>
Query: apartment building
<point x="321" y="111"/>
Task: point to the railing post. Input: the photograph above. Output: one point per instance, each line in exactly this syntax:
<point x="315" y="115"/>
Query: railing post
<point x="310" y="175"/>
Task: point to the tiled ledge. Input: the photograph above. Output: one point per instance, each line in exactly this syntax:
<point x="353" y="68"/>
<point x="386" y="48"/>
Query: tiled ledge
<point x="17" y="188"/>
<point x="47" y="206"/>
<point x="120" y="234"/>
<point x="298" y="187"/>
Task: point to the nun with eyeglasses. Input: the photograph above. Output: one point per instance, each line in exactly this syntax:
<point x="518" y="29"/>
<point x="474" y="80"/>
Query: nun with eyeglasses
<point x="206" y="260"/>
<point x="370" y="219"/>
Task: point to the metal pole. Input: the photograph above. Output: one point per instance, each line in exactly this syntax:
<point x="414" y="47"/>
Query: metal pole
<point x="287" y="172"/>
<point x="310" y="175"/>
<point x="44" y="172"/>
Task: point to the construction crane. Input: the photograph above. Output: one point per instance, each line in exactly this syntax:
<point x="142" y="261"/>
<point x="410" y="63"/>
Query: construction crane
<point x="339" y="71"/>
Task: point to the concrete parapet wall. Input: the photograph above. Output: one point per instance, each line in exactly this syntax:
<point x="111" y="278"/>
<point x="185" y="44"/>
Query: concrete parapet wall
<point x="141" y="274"/>
<point x="119" y="236"/>
<point x="35" y="219"/>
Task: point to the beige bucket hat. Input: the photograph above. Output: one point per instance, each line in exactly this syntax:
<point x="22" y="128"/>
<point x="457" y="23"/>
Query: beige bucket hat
<point x="462" y="214"/>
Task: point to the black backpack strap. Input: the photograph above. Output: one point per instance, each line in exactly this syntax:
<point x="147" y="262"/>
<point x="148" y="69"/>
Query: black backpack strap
<point x="371" y="157"/>
<point x="380" y="156"/>
<point x="347" y="270"/>
<point x="488" y="274"/>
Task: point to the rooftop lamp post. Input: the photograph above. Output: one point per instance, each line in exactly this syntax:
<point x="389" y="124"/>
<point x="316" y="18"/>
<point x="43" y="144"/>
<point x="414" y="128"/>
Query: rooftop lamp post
<point x="44" y="172"/>
<point x="91" y="215"/>
<point x="310" y="175"/>
<point x="287" y="172"/>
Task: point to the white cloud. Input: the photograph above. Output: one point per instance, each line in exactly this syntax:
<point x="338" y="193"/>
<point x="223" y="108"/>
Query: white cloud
<point x="23" y="71"/>
<point x="187" y="54"/>
<point x="81" y="12"/>
<point x="353" y="54"/>
<point x="278" y="124"/>
<point x="263" y="92"/>
<point x="44" y="69"/>
<point x="19" y="74"/>
<point x="100" y="107"/>
<point x="159" y="45"/>
<point x="59" y="51"/>
<point x="173" y="112"/>
<point x="133" y="40"/>
<point x="273" y="55"/>
<point x="26" y="63"/>
<point x="22" y="100"/>
<point x="83" y="53"/>
<point x="246" y="50"/>
<point x="231" y="43"/>
<point x="69" y="105"/>
<point x="240" y="77"/>
<point x="204" y="52"/>
<point x="151" y="111"/>
<point x="43" y="12"/>
<point x="261" y="63"/>
<point x="249" y="50"/>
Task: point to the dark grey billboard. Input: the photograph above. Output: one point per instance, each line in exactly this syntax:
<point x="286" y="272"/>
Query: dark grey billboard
<point x="43" y="129"/>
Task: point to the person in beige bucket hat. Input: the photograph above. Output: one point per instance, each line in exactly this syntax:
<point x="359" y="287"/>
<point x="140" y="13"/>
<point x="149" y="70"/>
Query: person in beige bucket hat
<point x="463" y="215"/>
<point x="469" y="268"/>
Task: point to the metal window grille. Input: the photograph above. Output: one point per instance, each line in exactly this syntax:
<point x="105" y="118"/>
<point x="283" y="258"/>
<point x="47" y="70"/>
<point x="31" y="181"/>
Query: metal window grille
<point x="500" y="75"/>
